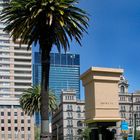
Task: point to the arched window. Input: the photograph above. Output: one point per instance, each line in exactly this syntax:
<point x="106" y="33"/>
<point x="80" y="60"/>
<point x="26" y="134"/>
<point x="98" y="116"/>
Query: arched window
<point x="70" y="107"/>
<point x="78" y="109"/>
<point x="79" y="115"/>
<point x="122" y="89"/>
<point x="79" y="124"/>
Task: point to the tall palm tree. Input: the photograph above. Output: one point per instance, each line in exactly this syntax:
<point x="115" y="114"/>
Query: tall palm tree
<point x="49" y="23"/>
<point x="30" y="100"/>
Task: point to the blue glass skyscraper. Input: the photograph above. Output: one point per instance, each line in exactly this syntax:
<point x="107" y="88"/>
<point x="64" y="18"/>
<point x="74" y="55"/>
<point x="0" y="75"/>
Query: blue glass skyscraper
<point x="64" y="72"/>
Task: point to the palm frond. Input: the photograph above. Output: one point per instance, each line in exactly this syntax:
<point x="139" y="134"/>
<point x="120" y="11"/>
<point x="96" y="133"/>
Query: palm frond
<point x="57" y="21"/>
<point x="30" y="100"/>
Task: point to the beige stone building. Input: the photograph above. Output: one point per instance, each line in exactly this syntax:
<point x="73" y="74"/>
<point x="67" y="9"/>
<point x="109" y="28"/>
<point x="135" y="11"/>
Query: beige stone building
<point x="108" y="102"/>
<point x="68" y="120"/>
<point x="129" y="105"/>
<point x="14" y="124"/>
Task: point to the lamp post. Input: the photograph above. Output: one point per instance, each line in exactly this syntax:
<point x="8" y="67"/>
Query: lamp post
<point x="132" y="110"/>
<point x="57" y="127"/>
<point x="134" y="119"/>
<point x="135" y="125"/>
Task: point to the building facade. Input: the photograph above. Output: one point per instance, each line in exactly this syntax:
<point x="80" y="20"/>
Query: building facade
<point x="15" y="77"/>
<point x="129" y="105"/>
<point x="64" y="72"/>
<point x="14" y="124"/>
<point x="15" y="64"/>
<point x="68" y="120"/>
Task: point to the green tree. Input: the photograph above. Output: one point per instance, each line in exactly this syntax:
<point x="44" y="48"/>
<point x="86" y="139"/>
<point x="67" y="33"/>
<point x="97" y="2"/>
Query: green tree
<point x="49" y="23"/>
<point x="30" y="100"/>
<point x="86" y="133"/>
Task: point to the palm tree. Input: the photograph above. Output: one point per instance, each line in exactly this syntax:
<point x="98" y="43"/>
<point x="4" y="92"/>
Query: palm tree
<point x="49" y="23"/>
<point x="30" y="100"/>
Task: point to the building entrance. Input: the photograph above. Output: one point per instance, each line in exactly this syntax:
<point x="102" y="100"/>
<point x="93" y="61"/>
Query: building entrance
<point x="102" y="131"/>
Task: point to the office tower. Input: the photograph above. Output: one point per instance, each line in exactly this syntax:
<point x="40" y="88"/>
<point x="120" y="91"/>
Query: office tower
<point x="14" y="124"/>
<point x="64" y="72"/>
<point x="15" y="64"/>
<point x="15" y="77"/>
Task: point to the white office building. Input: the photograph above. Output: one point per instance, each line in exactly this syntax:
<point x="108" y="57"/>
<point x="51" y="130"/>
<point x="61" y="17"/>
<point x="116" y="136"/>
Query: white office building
<point x="15" y="77"/>
<point x="15" y="64"/>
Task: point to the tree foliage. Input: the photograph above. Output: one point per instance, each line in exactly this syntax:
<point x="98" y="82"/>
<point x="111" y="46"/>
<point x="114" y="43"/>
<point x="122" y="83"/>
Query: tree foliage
<point x="86" y="133"/>
<point x="49" y="23"/>
<point x="55" y="21"/>
<point x="30" y="100"/>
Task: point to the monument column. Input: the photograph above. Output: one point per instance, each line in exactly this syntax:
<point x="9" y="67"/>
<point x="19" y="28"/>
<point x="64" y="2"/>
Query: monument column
<point x="101" y="97"/>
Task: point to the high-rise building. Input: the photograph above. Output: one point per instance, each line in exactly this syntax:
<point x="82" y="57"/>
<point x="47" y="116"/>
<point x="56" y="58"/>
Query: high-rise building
<point x="15" y="77"/>
<point x="15" y="64"/>
<point x="64" y="72"/>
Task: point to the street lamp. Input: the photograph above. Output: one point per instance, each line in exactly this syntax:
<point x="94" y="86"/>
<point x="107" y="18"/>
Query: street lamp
<point x="135" y="132"/>
<point x="57" y="129"/>
<point x="134" y="119"/>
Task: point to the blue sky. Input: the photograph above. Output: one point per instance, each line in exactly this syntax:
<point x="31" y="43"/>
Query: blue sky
<point x="113" y="38"/>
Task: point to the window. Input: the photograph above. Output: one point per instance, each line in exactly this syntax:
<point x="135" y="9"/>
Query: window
<point x="9" y="135"/>
<point x="9" y="121"/>
<point x="70" y="107"/>
<point x="123" y="108"/>
<point x="68" y="122"/>
<point x="15" y="121"/>
<point x="22" y="135"/>
<point x="78" y="109"/>
<point x="2" y="120"/>
<point x="9" y="128"/>
<point x="15" y="113"/>
<point x="16" y="106"/>
<point x="122" y="89"/>
<point x="22" y="128"/>
<point x="79" y="124"/>
<point x="29" y="136"/>
<point x="79" y="115"/>
<point x="68" y="131"/>
<point x="2" y="113"/>
<point x="22" y="113"/>
<point x="9" y="113"/>
<point x="3" y="135"/>
<point x="29" y="121"/>
<point x="2" y="128"/>
<point x="29" y="128"/>
<point x="68" y="114"/>
<point x="22" y="121"/>
<point x="16" y="129"/>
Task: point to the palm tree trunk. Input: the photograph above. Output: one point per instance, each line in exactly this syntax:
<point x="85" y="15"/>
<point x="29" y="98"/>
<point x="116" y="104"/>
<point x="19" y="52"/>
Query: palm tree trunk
<point x="45" y="61"/>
